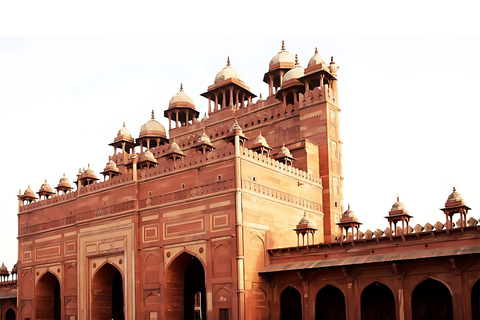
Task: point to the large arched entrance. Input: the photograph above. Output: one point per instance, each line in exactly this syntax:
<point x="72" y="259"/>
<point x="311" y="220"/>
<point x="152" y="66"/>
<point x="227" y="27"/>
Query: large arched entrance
<point x="186" y="298"/>
<point x="330" y="304"/>
<point x="291" y="304"/>
<point x="431" y="300"/>
<point x="47" y="297"/>
<point x="378" y="302"/>
<point x="476" y="301"/>
<point x="107" y="294"/>
<point x="10" y="314"/>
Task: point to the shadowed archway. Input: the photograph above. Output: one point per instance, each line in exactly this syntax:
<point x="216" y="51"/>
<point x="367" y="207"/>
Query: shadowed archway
<point x="47" y="297"/>
<point x="107" y="294"/>
<point x="431" y="300"/>
<point x="476" y="301"/>
<point x="330" y="304"/>
<point x="377" y="302"/>
<point x="291" y="304"/>
<point x="10" y="314"/>
<point x="186" y="294"/>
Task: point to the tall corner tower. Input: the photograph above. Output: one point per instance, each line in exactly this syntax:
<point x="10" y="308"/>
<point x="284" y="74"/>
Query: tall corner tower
<point x="319" y="117"/>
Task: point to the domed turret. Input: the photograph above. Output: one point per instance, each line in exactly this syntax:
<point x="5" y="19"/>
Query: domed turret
<point x="348" y="215"/>
<point x="64" y="185"/>
<point x="305" y="228"/>
<point x="398" y="205"/>
<point x="28" y="196"/>
<point x="3" y="270"/>
<point x="45" y="191"/>
<point x="111" y="170"/>
<point x="349" y="221"/>
<point x="282" y="57"/>
<point x="294" y="73"/>
<point x="455" y="204"/>
<point x="284" y="156"/>
<point x="204" y="144"/>
<point x="86" y="177"/>
<point x="174" y="152"/>
<point x="124" y="132"/>
<point x="152" y="134"/>
<point x="147" y="160"/>
<point x="181" y="110"/>
<point x="454" y="196"/>
<point x="29" y="192"/>
<point x="260" y="145"/>
<point x="125" y="142"/>
<point x="235" y="130"/>
<point x="279" y="65"/>
<point x="397" y="214"/>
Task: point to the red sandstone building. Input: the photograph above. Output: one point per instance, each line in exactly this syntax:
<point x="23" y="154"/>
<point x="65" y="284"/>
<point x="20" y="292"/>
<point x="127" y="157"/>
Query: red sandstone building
<point x="237" y="215"/>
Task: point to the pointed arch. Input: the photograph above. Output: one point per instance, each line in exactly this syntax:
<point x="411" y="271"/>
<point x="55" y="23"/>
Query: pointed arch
<point x="47" y="297"/>
<point x="107" y="293"/>
<point x="10" y="314"/>
<point x="290" y="304"/>
<point x="377" y="302"/>
<point x="222" y="262"/>
<point x="330" y="304"/>
<point x="431" y="299"/>
<point x="152" y="267"/>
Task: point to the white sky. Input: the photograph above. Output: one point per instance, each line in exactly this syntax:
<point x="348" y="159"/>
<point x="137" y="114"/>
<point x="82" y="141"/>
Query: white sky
<point x="408" y="85"/>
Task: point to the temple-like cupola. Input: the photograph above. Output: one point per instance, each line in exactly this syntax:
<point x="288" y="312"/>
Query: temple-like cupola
<point x="125" y="142"/>
<point x="396" y="214"/>
<point x="204" y="144"/>
<point x="304" y="227"/>
<point x="64" y="185"/>
<point x="285" y="156"/>
<point x="455" y="204"/>
<point x="260" y="145"/>
<point x="174" y="152"/>
<point x="152" y="134"/>
<point x="349" y="220"/>
<point x="319" y="74"/>
<point x="228" y="91"/>
<point x="111" y="170"/>
<point x="181" y="110"/>
<point x="235" y="130"/>
<point x="86" y="178"/>
<point x="45" y="191"/>
<point x="291" y="87"/>
<point x="27" y="196"/>
<point x="279" y="65"/>
<point x="147" y="160"/>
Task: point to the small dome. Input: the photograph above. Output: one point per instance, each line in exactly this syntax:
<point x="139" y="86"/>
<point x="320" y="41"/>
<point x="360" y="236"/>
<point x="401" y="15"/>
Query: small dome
<point x="88" y="173"/>
<point x="260" y="99"/>
<point x="316" y="59"/>
<point x="260" y="140"/>
<point x="349" y="214"/>
<point x="284" y="151"/>
<point x="45" y="187"/>
<point x="174" y="146"/>
<point x="3" y="270"/>
<point x="294" y="73"/>
<point x="111" y="165"/>
<point x="203" y="138"/>
<point x="227" y="73"/>
<point x="398" y="205"/>
<point x="64" y="182"/>
<point x="304" y="219"/>
<point x="124" y="132"/>
<point x="282" y="56"/>
<point x="148" y="155"/>
<point x="205" y="118"/>
<point x="14" y="269"/>
<point x="152" y="128"/>
<point x="29" y="192"/>
<point x="180" y="97"/>
<point x="454" y="196"/>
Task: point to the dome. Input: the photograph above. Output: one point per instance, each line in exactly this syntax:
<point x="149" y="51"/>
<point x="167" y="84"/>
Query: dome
<point x="174" y="146"/>
<point x="64" y="182"/>
<point x="3" y="270"/>
<point x="88" y="173"/>
<point x="294" y="73"/>
<point x="282" y="56"/>
<point x="260" y="140"/>
<point x="203" y="138"/>
<point x="180" y="97"/>
<point x="454" y="196"/>
<point x="45" y="187"/>
<point x="316" y="59"/>
<point x="205" y="118"/>
<point x="29" y="192"/>
<point x="260" y="99"/>
<point x="349" y="214"/>
<point x="398" y="205"/>
<point x="284" y="151"/>
<point x="124" y="132"/>
<point x="14" y="269"/>
<point x="304" y="219"/>
<point x="111" y="165"/>
<point x="227" y="73"/>
<point x="152" y="128"/>
<point x="148" y="155"/>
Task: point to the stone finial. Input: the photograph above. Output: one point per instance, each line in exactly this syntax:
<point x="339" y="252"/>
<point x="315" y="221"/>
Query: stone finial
<point x="283" y="45"/>
<point x="316" y="51"/>
<point x="368" y="234"/>
<point x="472" y="222"/>
<point x="428" y="227"/>
<point x="418" y="228"/>
<point x="228" y="61"/>
<point x="438" y="226"/>
<point x="181" y="87"/>
<point x="296" y="59"/>
<point x="153" y="115"/>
